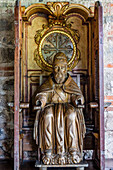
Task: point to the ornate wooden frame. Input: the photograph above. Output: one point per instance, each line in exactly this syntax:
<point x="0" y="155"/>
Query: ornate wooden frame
<point x="95" y="63"/>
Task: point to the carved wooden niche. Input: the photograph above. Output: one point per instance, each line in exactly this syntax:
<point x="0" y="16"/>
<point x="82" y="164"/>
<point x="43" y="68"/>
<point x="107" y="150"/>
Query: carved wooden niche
<point x="44" y="30"/>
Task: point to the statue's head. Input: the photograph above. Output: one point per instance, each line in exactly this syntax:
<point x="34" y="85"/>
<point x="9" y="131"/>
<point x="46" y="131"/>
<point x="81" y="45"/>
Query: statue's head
<point x="60" y="67"/>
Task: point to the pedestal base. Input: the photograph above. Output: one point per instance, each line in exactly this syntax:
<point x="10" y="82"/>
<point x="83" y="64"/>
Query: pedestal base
<point x="79" y="166"/>
<point x="43" y="168"/>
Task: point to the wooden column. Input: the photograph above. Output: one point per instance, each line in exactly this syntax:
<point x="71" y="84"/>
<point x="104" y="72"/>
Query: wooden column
<point x="99" y="78"/>
<point x="17" y="84"/>
<point x="101" y="89"/>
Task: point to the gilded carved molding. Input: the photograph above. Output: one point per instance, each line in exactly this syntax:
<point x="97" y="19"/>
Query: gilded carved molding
<point x="63" y="8"/>
<point x="57" y="14"/>
<point x="57" y="28"/>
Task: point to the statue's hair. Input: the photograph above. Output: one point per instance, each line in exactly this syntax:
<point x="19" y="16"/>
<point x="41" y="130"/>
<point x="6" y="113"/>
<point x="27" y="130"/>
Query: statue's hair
<point x="60" y="56"/>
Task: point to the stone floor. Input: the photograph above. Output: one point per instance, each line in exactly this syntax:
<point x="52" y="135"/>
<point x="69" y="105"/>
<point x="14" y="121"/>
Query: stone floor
<point x="8" y="165"/>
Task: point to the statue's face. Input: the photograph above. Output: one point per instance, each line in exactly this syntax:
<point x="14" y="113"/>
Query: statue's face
<point x="60" y="72"/>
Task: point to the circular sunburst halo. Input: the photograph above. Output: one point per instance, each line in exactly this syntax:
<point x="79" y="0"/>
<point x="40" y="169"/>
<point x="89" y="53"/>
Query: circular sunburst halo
<point x="56" y="41"/>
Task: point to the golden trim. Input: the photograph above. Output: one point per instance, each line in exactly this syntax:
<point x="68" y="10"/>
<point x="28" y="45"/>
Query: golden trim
<point x="50" y="9"/>
<point x="62" y="32"/>
<point x="35" y="8"/>
<point x="76" y="60"/>
<point x="80" y="9"/>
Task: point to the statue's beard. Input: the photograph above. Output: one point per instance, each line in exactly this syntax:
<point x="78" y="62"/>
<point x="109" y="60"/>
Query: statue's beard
<point x="59" y="77"/>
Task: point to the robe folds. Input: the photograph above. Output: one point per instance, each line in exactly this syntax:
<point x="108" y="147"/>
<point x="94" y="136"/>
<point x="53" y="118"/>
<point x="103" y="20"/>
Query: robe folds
<point x="59" y="125"/>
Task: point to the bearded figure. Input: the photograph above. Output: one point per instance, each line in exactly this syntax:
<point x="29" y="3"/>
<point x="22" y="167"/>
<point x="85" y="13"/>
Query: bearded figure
<point x="59" y="126"/>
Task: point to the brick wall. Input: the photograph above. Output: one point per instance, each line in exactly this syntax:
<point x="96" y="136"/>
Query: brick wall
<point x="6" y="70"/>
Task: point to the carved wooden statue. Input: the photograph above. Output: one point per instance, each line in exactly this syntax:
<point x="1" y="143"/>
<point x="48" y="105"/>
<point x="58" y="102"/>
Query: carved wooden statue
<point x="59" y="126"/>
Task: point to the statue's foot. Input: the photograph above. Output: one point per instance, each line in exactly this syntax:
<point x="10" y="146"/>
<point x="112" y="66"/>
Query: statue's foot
<point x="76" y="158"/>
<point x="46" y="159"/>
<point x="61" y="160"/>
